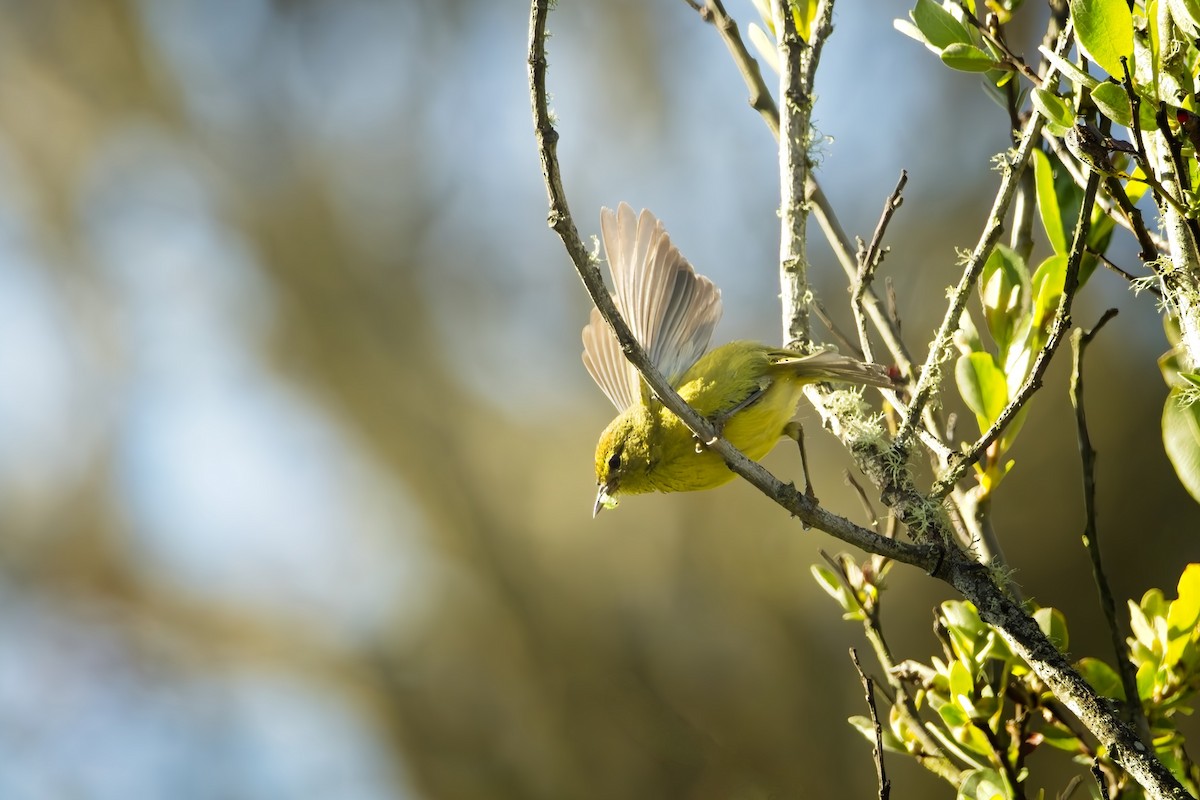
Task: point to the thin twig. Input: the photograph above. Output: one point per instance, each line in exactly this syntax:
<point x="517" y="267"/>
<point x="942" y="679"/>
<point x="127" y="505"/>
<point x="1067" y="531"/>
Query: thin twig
<point x="931" y="756"/>
<point x="885" y="783"/>
<point x="1091" y="538"/>
<point x="1033" y="381"/>
<point x="868" y="508"/>
<point x="848" y="347"/>
<point x="1139" y="283"/>
<point x="869" y="259"/>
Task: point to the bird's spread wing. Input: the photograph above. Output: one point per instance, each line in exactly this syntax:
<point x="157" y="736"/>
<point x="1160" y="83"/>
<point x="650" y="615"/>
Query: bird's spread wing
<point x="670" y="309"/>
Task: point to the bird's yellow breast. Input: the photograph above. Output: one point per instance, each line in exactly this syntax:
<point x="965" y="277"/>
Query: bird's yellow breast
<point x="715" y="386"/>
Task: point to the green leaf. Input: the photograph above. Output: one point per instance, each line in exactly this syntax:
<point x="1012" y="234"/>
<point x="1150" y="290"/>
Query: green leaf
<point x="967" y="58"/>
<point x="961" y="681"/>
<point x="1101" y="677"/>
<point x="1104" y="29"/>
<point x="1145" y="680"/>
<point x="804" y="12"/>
<point x="1183" y="615"/>
<point x="1004" y="290"/>
<point x="829" y="581"/>
<point x="1113" y="103"/>
<point x="1047" y="201"/>
<point x="891" y="742"/>
<point x="939" y="27"/>
<point x="1054" y="625"/>
<point x="1071" y="72"/>
<point x="982" y="386"/>
<point x="1060" y="738"/>
<point x="1059" y="118"/>
<point x="1181" y="439"/>
<point x="1140" y="625"/>
<point x="1184" y="611"/>
<point x="1046" y="288"/>
<point x="982" y="784"/>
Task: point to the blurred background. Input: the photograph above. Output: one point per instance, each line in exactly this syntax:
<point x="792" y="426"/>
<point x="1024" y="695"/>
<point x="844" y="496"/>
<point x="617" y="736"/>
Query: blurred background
<point x="296" y="444"/>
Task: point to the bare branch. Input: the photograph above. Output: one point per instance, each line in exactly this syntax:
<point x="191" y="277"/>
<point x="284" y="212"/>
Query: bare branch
<point x="885" y="784"/>
<point x="1091" y="538"/>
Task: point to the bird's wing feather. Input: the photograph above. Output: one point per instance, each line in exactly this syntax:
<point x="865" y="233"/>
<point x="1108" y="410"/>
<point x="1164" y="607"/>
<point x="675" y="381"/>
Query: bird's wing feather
<point x="670" y="309"/>
<point x="607" y="365"/>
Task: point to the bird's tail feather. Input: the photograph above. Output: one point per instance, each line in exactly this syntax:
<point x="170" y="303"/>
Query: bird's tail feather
<point x="830" y="366"/>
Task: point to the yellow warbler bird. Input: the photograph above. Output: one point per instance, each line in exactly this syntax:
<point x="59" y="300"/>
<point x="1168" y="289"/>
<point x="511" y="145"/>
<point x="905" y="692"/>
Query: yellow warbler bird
<point x="749" y="390"/>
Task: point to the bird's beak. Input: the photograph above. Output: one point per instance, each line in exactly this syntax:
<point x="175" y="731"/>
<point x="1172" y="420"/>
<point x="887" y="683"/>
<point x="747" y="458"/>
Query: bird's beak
<point x="603" y="500"/>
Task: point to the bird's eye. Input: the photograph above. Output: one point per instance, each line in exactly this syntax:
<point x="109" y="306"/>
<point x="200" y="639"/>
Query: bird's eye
<point x="614" y="462"/>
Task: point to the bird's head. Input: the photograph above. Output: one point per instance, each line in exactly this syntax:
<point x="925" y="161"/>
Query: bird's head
<point x="623" y="458"/>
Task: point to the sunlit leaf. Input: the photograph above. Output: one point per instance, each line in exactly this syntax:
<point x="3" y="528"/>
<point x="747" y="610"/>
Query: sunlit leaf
<point x="1071" y="72"/>
<point x="982" y="784"/>
<point x="1101" y="677"/>
<point x="967" y="58"/>
<point x="1004" y="290"/>
<point x="1059" y="117"/>
<point x="1181" y="439"/>
<point x="983" y="387"/>
<point x="1104" y="29"/>
<point x="891" y="742"/>
<point x="938" y="26"/>
<point x="1047" y="202"/>
<point x="1113" y="103"/>
<point x="1054" y="625"/>
<point x="1184" y="611"/>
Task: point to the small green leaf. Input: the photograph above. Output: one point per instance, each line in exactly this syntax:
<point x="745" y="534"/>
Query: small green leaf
<point x="1047" y="201"/>
<point x="1071" y="72"/>
<point x="1104" y="29"/>
<point x="1140" y="626"/>
<point x="1059" y="117"/>
<point x="939" y="27"/>
<point x="1054" y="625"/>
<point x="1060" y="738"/>
<point x="828" y="580"/>
<point x="1145" y="680"/>
<point x="908" y="29"/>
<point x="891" y="742"/>
<point x="1046" y="287"/>
<point x="1181" y="439"/>
<point x="1185" y="609"/>
<point x="967" y="58"/>
<point x="1004" y="290"/>
<point x="961" y="681"/>
<point x="1101" y="677"/>
<point x="982" y="386"/>
<point x="1113" y="103"/>
<point x="804" y="12"/>
<point x="982" y="784"/>
<point x="966" y="338"/>
<point x="766" y="47"/>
